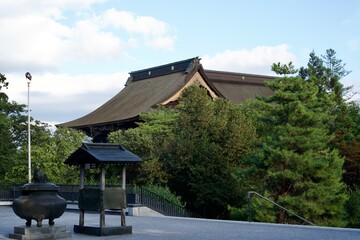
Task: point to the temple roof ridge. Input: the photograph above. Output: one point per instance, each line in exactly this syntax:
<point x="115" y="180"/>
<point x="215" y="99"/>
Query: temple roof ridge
<point x="179" y="66"/>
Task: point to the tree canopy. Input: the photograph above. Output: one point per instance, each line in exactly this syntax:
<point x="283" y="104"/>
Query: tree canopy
<point x="210" y="138"/>
<point x="302" y="171"/>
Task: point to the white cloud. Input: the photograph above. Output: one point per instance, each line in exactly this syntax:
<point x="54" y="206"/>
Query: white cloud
<point x="40" y="35"/>
<point x="132" y="23"/>
<point x="50" y="8"/>
<point x="31" y="41"/>
<point x="60" y="97"/>
<point x="257" y="60"/>
<point x="155" y="33"/>
<point x="161" y="43"/>
<point x="89" y="42"/>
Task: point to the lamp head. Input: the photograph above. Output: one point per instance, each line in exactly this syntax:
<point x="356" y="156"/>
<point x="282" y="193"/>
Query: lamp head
<point x="28" y="76"/>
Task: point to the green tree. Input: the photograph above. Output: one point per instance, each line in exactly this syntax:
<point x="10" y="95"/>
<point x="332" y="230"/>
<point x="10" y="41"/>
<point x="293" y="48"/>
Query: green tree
<point x="210" y="138"/>
<point x="12" y="122"/>
<point x="7" y="147"/>
<point x="336" y="71"/>
<point x="40" y="135"/>
<point x="326" y="73"/>
<point x="302" y="172"/>
<point x="351" y="149"/>
<point x="62" y="143"/>
<point x="353" y="209"/>
<point x="48" y="150"/>
<point x="149" y="141"/>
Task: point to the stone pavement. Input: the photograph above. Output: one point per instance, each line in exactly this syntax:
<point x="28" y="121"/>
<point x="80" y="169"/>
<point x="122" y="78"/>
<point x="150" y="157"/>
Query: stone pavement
<point x="173" y="228"/>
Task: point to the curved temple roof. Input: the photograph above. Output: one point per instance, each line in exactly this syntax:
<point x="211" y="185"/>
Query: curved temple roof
<point x="163" y="84"/>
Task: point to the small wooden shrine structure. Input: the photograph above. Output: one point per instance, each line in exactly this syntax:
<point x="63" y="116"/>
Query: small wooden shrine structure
<point x="98" y="155"/>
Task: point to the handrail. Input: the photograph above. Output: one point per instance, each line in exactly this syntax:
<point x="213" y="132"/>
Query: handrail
<point x="162" y="205"/>
<point x="274" y="203"/>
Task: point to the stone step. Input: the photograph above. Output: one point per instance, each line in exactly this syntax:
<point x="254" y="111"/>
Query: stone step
<point x="45" y="232"/>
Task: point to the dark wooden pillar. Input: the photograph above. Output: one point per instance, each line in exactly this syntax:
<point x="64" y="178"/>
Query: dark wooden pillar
<point x="82" y="184"/>
<point x="123" y="186"/>
<point x="102" y="187"/>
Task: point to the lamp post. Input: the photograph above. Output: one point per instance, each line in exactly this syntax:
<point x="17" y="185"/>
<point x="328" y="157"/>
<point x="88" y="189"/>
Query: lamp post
<point x="28" y="76"/>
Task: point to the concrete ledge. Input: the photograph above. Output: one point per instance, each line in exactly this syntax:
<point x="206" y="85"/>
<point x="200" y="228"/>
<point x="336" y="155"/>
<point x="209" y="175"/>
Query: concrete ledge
<point x="142" y="210"/>
<point x="131" y="210"/>
<point x="5" y="203"/>
<point x="45" y="232"/>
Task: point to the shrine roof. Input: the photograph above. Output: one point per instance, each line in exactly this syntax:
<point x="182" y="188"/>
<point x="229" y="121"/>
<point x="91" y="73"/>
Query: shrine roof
<point x="102" y="153"/>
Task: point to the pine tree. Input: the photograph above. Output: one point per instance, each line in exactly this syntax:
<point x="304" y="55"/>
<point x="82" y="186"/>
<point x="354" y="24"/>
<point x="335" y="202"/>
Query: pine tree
<point x="328" y="71"/>
<point x="302" y="172"/>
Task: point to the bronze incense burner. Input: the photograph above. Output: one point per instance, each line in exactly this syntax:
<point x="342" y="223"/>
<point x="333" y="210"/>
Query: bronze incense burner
<point x="39" y="201"/>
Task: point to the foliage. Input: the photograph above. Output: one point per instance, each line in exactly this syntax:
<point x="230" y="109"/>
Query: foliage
<point x="353" y="209"/>
<point x="149" y="141"/>
<point x="351" y="152"/>
<point x="326" y="72"/>
<point x="261" y="211"/>
<point x="350" y="147"/>
<point x="166" y="193"/>
<point x="63" y="143"/>
<point x="284" y="69"/>
<point x="302" y="172"/>
<point x="210" y="137"/>
<point x="11" y="120"/>
<point x="48" y="152"/>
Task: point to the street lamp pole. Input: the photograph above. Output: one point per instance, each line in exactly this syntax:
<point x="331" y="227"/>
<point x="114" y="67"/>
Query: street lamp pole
<point x="28" y="76"/>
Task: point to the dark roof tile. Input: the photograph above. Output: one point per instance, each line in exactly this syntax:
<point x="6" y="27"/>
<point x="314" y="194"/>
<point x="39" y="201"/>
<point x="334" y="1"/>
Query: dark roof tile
<point x="102" y="153"/>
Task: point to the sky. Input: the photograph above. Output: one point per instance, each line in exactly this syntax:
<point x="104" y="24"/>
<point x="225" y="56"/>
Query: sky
<point x="80" y="52"/>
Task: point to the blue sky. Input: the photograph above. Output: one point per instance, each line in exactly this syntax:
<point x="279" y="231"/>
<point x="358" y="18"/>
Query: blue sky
<point x="81" y="51"/>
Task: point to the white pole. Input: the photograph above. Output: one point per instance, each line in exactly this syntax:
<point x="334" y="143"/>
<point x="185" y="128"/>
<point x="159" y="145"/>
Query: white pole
<point x="28" y="76"/>
<point x="29" y="135"/>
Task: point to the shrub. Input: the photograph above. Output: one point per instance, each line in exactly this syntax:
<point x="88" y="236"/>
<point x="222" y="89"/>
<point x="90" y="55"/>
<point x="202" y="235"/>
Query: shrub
<point x="353" y="209"/>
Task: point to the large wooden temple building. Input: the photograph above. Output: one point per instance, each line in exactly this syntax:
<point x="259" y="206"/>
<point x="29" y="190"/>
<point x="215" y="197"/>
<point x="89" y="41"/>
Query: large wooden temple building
<point x="162" y="85"/>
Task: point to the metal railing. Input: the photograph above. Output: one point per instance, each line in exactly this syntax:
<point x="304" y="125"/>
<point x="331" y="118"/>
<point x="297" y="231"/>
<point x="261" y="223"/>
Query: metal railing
<point x="6" y="192"/>
<point x="9" y="192"/>
<point x="162" y="205"/>
<point x="135" y="195"/>
<point x="275" y="204"/>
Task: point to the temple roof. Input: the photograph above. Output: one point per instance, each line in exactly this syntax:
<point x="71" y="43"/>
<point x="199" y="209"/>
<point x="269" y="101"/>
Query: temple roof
<point x="237" y="87"/>
<point x="150" y="87"/>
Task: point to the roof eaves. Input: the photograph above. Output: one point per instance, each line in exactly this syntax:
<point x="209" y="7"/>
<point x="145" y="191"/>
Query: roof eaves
<point x="206" y="79"/>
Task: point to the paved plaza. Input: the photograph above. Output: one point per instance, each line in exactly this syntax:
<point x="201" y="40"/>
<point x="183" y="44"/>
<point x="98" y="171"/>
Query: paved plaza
<point x="173" y="228"/>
